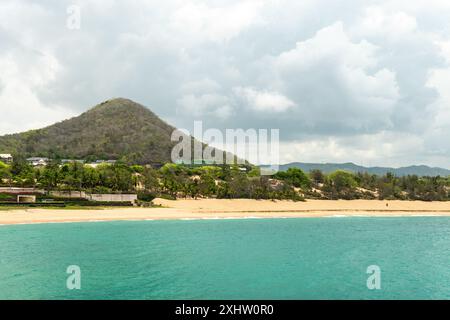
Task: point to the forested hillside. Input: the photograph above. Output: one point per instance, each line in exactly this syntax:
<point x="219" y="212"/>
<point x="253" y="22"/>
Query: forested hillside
<point x="115" y="129"/>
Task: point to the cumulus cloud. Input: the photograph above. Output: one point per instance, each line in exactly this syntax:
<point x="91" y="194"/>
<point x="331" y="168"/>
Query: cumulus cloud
<point x="342" y="81"/>
<point x="375" y="22"/>
<point x="205" y="104"/>
<point x="203" y="22"/>
<point x="264" y="101"/>
<point x="331" y="75"/>
<point x="23" y="72"/>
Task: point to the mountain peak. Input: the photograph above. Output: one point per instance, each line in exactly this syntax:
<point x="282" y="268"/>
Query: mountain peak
<point x="116" y="128"/>
<point x="118" y="104"/>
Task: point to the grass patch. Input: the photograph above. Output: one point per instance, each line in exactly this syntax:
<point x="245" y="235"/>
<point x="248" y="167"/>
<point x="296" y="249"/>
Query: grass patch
<point x="6" y="208"/>
<point x="68" y="208"/>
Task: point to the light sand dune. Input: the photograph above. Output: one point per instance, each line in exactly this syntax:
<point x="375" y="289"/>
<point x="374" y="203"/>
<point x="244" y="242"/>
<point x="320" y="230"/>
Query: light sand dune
<point x="236" y="208"/>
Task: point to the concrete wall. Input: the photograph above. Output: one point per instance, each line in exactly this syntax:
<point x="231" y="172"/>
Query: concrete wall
<point x="94" y="197"/>
<point x="113" y="197"/>
<point x="20" y="190"/>
<point x="69" y="194"/>
<point x="73" y="194"/>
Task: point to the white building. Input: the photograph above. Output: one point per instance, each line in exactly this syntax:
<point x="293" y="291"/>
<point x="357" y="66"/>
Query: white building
<point x="65" y="161"/>
<point x="6" y="157"/>
<point x="99" y="162"/>
<point x="37" y="161"/>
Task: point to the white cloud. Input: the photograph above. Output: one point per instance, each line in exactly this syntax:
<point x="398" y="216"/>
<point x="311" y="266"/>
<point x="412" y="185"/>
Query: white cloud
<point x="200" y="86"/>
<point x="337" y="83"/>
<point x="205" y="104"/>
<point x="216" y="23"/>
<point x="23" y="73"/>
<point x="264" y="101"/>
<point x="332" y="43"/>
<point x="377" y="21"/>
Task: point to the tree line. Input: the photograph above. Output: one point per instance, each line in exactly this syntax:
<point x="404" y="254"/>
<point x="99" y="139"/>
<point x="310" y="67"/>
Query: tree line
<point x="175" y="181"/>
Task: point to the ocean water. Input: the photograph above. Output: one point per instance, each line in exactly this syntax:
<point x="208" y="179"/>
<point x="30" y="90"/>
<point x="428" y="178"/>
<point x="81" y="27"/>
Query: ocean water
<point x="309" y="258"/>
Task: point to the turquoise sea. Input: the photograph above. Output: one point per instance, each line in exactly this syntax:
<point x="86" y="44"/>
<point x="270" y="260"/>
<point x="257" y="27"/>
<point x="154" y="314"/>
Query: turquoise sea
<point x="308" y="258"/>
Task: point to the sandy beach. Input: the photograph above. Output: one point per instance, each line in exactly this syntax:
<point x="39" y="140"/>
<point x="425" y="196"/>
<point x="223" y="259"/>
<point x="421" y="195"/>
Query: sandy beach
<point x="237" y="208"/>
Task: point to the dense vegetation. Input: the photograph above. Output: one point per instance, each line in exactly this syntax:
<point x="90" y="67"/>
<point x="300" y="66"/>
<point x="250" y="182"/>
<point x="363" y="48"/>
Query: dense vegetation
<point x="421" y="170"/>
<point x="115" y="129"/>
<point x="347" y="185"/>
<point x="174" y="181"/>
<point x="171" y="180"/>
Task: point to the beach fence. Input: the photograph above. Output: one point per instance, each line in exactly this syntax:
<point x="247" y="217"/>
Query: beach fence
<point x="94" y="196"/>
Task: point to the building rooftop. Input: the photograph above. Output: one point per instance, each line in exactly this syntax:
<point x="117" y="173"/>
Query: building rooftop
<point x="37" y="159"/>
<point x="72" y="160"/>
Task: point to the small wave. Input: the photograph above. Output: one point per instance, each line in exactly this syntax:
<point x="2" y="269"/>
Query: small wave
<point x="337" y="216"/>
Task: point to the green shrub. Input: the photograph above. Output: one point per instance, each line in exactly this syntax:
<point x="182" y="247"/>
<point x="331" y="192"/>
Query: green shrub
<point x="146" y="196"/>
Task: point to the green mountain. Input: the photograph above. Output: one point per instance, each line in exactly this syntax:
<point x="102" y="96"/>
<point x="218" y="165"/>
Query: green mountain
<point x="114" y="129"/>
<point x="349" y="166"/>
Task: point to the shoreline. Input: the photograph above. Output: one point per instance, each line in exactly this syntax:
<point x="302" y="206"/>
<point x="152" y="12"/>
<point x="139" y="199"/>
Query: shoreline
<point x="213" y="209"/>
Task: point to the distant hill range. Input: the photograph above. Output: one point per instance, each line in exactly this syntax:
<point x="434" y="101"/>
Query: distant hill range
<point x="115" y="129"/>
<point x="420" y="170"/>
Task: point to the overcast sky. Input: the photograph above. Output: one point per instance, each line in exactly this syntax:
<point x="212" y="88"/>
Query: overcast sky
<point x="342" y="80"/>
